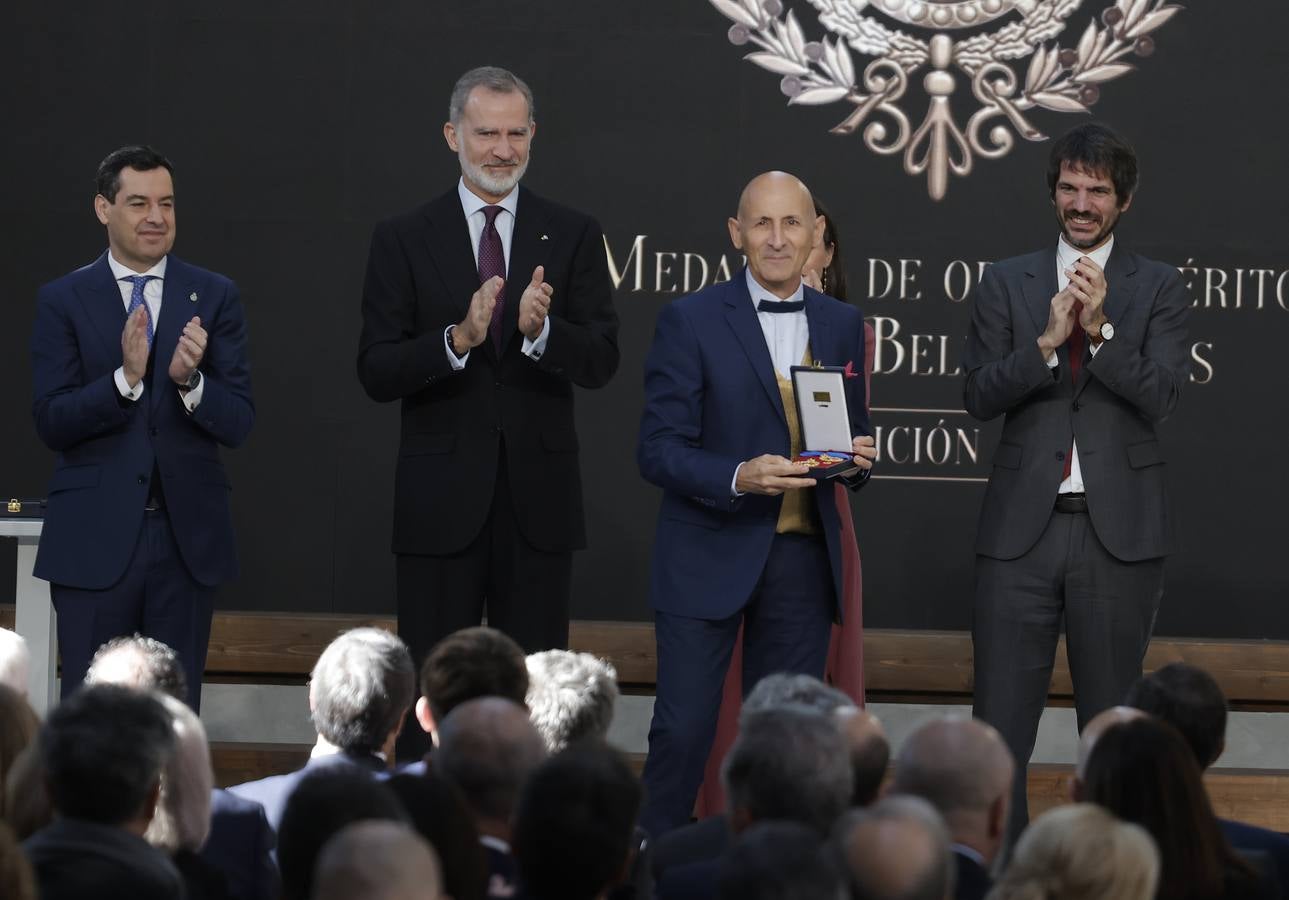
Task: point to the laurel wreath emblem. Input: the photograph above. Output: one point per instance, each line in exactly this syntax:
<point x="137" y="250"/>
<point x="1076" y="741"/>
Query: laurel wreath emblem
<point x="1058" y="78"/>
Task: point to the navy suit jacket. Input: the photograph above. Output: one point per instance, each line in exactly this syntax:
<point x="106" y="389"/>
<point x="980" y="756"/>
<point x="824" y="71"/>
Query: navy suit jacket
<point x="241" y="845"/>
<point x="712" y="402"/>
<point x="107" y="447"/>
<point x="273" y="792"/>
<point x="1250" y="838"/>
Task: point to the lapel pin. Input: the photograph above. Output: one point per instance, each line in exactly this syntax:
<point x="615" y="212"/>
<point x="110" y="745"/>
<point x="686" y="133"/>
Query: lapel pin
<point x="545" y="237"/>
<point x="192" y="297"/>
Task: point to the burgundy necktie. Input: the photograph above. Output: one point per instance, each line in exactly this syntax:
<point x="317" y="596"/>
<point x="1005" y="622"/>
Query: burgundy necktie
<point x="493" y="262"/>
<point x="1075" y="345"/>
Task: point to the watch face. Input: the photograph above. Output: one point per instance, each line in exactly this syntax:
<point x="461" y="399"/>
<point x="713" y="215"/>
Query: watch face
<point x="1107" y="331"/>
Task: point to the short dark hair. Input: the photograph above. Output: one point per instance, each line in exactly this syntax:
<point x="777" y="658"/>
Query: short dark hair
<point x="321" y="804"/>
<point x="153" y="666"/>
<point x="361" y="688"/>
<point x="1190" y="700"/>
<point x="1095" y="148"/>
<point x="103" y="749"/>
<point x="575" y="822"/>
<point x="487" y="748"/>
<point x="779" y="861"/>
<point x="139" y="157"/>
<point x="471" y="663"/>
<point x="439" y="813"/>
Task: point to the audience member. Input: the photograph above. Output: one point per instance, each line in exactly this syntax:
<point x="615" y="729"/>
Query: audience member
<point x="240" y="843"/>
<point x="488" y="747"/>
<point x="870" y="752"/>
<point x="779" y="861"/>
<point x="963" y="768"/>
<point x="1190" y="700"/>
<point x="26" y="800"/>
<point x="570" y="696"/>
<point x="17" y="882"/>
<point x="322" y="803"/>
<point x="375" y="860"/>
<point x="437" y="811"/>
<point x="1143" y="772"/>
<point x="102" y="751"/>
<point x="465" y="665"/>
<point x="359" y="695"/>
<point x="1092" y="731"/>
<point x="15" y="661"/>
<point x="896" y="849"/>
<point x="1080" y="852"/>
<point x="574" y="825"/>
<point x="18" y="727"/>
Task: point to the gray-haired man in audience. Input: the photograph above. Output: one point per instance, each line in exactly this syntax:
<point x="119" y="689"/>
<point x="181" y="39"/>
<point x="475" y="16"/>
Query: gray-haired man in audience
<point x="570" y="696"/>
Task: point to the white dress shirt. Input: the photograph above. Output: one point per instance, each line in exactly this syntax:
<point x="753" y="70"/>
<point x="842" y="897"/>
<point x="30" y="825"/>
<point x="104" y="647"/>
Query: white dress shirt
<point x="786" y="336"/>
<point x="152" y="291"/>
<point x="1066" y="257"/>
<point x="475" y="219"/>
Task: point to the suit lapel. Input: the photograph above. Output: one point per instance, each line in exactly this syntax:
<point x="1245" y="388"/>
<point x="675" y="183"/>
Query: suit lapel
<point x="817" y="322"/>
<point x="1040" y="288"/>
<point x="100" y="297"/>
<point x="528" y="250"/>
<point x="176" y="309"/>
<point x="742" y="319"/>
<point x="447" y="240"/>
<point x="1121" y="287"/>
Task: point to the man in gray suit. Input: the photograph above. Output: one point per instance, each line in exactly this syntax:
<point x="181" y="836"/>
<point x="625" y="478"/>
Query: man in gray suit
<point x="1081" y="347"/>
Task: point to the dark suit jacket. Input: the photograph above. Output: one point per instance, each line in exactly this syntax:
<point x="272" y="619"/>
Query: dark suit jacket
<point x="973" y="881"/>
<point x="107" y="446"/>
<point x="706" y="839"/>
<point x="711" y="402"/>
<point x="1250" y="838"/>
<point x="273" y="792"/>
<point x="1124" y="391"/>
<point x="241" y="845"/>
<point x="421" y="274"/>
<point x="74" y="859"/>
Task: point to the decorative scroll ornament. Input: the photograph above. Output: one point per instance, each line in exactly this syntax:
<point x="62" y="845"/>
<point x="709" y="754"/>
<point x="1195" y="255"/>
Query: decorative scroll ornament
<point x="1064" y="79"/>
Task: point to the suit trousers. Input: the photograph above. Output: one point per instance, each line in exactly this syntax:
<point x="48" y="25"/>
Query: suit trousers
<point x="524" y="591"/>
<point x="786" y="626"/>
<point x="1108" y="607"/>
<point x="156" y="597"/>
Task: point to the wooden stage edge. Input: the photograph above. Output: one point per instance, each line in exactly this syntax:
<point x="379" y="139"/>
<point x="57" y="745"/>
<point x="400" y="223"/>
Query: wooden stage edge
<point x="909" y="666"/>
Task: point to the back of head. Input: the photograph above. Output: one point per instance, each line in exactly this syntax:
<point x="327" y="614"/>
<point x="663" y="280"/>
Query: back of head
<point x="575" y="821"/>
<point x="18" y="727"/>
<point x="1097" y="726"/>
<point x="1081" y="852"/>
<point x="784" y="689"/>
<point x="487" y="748"/>
<point x="896" y="849"/>
<point x="870" y="752"/>
<point x="1190" y="700"/>
<point x="570" y="696"/>
<point x="790" y="763"/>
<point x="321" y="805"/>
<point x="1144" y="772"/>
<point x="471" y="663"/>
<point x="377" y="860"/>
<point x="438" y="813"/>
<point x="779" y="861"/>
<point x="15" y="661"/>
<point x="102" y="750"/>
<point x="361" y="688"/>
<point x="139" y="662"/>
<point x="182" y="819"/>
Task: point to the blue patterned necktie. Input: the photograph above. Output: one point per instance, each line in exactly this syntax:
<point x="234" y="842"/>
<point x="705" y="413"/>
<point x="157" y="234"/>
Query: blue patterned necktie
<point x="136" y="300"/>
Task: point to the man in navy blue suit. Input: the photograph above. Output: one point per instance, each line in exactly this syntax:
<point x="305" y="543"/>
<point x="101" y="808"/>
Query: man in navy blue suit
<point x="139" y="373"/>
<point x="744" y="535"/>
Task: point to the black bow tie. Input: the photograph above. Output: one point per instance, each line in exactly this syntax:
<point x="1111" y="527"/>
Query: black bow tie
<point x="780" y="306"/>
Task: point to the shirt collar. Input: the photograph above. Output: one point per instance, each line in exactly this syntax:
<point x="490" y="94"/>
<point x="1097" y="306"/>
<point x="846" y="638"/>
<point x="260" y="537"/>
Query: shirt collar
<point x="119" y="271"/>
<point x="495" y="843"/>
<point x="471" y="203"/>
<point x="971" y="853"/>
<point x="1067" y="254"/>
<point x="759" y="293"/>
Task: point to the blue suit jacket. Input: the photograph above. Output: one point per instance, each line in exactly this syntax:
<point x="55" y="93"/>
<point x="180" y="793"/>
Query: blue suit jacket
<point x="273" y="792"/>
<point x="711" y="402"/>
<point x="241" y="845"/>
<point x="107" y="446"/>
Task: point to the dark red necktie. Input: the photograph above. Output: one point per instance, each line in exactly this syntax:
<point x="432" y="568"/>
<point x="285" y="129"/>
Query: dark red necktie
<point x="492" y="261"/>
<point x="1074" y="343"/>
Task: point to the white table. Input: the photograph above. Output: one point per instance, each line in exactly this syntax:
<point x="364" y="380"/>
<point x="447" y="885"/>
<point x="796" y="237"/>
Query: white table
<point x="35" y="615"/>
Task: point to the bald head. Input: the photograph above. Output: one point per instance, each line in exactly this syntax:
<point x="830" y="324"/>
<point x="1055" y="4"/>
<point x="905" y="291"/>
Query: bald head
<point x="870" y="752"/>
<point x="897" y="850"/>
<point x="1100" y="723"/>
<point x="488" y="747"/>
<point x="776" y="227"/>
<point x="377" y="860"/>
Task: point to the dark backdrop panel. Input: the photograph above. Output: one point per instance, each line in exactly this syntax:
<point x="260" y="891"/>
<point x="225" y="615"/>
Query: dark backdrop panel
<point x="296" y="126"/>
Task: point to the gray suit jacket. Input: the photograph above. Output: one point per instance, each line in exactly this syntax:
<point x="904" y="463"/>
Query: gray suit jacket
<point x="1123" y="392"/>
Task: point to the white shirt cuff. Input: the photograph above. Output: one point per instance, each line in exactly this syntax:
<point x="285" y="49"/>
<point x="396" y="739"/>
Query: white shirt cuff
<point x="193" y="397"/>
<point x="535" y="349"/>
<point x="1095" y="347"/>
<point x="734" y="492"/>
<point x="456" y="362"/>
<point x="123" y="386"/>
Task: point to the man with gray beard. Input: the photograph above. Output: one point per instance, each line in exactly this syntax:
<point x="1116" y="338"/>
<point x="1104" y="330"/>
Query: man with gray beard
<point x="482" y="310"/>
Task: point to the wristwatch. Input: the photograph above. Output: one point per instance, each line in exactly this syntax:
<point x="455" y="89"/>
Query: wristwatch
<point x="1107" y="330"/>
<point x="193" y="380"/>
